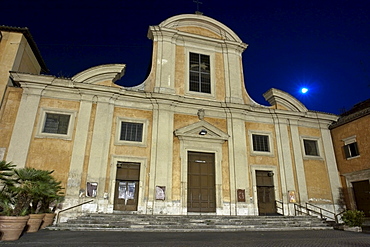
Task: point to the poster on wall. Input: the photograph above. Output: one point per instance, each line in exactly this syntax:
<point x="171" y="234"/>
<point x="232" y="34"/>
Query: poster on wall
<point x="91" y="189"/>
<point x="160" y="192"/>
<point x="122" y="190"/>
<point x="241" y="195"/>
<point x="292" y="196"/>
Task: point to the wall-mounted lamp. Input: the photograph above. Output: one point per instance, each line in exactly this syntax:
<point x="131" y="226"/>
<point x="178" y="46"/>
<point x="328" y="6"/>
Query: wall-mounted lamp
<point x="203" y="132"/>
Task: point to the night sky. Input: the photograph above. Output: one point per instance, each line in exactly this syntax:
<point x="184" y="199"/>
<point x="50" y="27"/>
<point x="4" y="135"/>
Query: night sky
<point x="321" y="44"/>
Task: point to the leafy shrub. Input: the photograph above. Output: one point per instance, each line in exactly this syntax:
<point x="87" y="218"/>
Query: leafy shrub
<point x="353" y="218"/>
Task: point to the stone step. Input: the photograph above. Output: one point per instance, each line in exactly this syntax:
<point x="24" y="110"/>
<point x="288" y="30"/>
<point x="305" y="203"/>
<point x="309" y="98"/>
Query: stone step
<point x="130" y="222"/>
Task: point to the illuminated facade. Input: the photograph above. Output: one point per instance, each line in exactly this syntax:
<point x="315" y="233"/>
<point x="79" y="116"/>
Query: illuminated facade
<point x="189" y="139"/>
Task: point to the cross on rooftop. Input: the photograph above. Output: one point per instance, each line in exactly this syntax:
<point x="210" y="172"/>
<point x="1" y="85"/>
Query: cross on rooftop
<point x="197" y="2"/>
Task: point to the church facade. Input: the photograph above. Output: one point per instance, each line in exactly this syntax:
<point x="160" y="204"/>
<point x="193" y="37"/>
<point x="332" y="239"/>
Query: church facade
<point x="188" y="140"/>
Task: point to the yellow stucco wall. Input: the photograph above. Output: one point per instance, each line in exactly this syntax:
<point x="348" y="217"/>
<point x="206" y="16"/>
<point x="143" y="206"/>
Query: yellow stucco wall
<point x="52" y="153"/>
<point x="28" y="62"/>
<point x="220" y="77"/>
<point x="180" y="70"/>
<point x="8" y="115"/>
<point x="131" y="150"/>
<point x="199" y="31"/>
<point x="261" y="159"/>
<point x="15" y="55"/>
<point x="361" y="129"/>
<point x="226" y="193"/>
<point x="316" y="173"/>
<point x="176" y="170"/>
<point x="318" y="185"/>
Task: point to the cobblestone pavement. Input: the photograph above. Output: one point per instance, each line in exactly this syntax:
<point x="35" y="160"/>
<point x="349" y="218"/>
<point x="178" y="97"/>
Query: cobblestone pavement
<point x="330" y="238"/>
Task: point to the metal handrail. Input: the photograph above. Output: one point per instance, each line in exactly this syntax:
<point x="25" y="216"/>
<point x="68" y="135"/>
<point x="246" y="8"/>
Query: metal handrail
<point x="66" y="209"/>
<point x="317" y="210"/>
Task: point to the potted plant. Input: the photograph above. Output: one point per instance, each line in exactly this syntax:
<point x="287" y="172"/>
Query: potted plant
<point x="41" y="189"/>
<point x="26" y="191"/>
<point x="49" y="200"/>
<point x="13" y="217"/>
<point x="353" y="220"/>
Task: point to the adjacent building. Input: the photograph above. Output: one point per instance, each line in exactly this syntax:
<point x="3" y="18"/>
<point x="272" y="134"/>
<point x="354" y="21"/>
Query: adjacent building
<point x="351" y="139"/>
<point x="188" y="140"/>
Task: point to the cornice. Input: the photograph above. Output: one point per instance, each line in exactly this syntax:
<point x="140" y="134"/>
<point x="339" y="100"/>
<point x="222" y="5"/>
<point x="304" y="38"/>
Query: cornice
<point x="61" y="88"/>
<point x="352" y="117"/>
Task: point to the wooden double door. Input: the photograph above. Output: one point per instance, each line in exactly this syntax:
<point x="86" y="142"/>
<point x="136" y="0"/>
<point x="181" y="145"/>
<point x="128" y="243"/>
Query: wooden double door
<point x="265" y="193"/>
<point x="201" y="182"/>
<point x="127" y="186"/>
<point x="361" y="191"/>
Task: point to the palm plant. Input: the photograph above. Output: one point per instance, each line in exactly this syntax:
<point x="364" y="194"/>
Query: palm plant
<point x="6" y="181"/>
<point x="28" y="190"/>
<point x="49" y="193"/>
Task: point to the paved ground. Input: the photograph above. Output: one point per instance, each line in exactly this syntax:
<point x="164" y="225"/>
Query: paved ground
<point x="330" y="238"/>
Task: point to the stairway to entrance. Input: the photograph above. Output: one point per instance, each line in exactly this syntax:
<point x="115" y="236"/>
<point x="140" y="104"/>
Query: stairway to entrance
<point x="190" y="223"/>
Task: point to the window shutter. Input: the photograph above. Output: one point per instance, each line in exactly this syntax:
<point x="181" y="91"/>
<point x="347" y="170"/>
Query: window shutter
<point x="346" y="151"/>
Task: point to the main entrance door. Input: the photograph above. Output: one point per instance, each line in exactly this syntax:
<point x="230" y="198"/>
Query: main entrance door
<point x="361" y="190"/>
<point x="201" y="182"/>
<point x="127" y="186"/>
<point x="265" y="193"/>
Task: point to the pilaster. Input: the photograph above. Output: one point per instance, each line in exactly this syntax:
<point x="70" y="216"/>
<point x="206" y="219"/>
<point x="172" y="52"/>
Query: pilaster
<point x="285" y="158"/>
<point x="161" y="158"/>
<point x="238" y="163"/>
<point x="332" y="166"/>
<point x="101" y="138"/>
<point x="79" y="147"/>
<point x="298" y="160"/>
<point x="24" y="125"/>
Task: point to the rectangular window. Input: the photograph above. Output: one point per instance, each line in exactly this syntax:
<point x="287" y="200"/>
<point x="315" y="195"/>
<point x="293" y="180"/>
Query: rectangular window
<point x="351" y="150"/>
<point x="261" y="143"/>
<point x="131" y="132"/>
<point x="199" y="73"/>
<point x="310" y="147"/>
<point x="56" y="123"/>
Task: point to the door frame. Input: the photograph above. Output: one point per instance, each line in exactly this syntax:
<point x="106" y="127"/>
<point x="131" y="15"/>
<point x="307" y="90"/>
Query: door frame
<point x="141" y="205"/>
<point x="199" y="147"/>
<point x="255" y="168"/>
<point x="214" y="175"/>
<point x="354" y="177"/>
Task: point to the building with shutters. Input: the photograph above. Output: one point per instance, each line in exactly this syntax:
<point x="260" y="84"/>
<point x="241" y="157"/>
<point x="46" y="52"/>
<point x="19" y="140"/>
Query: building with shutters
<point x="188" y="140"/>
<point x="351" y="139"/>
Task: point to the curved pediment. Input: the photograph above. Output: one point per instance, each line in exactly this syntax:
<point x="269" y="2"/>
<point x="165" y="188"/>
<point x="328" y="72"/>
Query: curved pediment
<point x="202" y="25"/>
<point x="105" y="74"/>
<point x="281" y="99"/>
<point x="201" y="130"/>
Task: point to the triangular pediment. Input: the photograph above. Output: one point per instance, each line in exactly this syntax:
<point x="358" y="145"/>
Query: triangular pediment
<point x="201" y="130"/>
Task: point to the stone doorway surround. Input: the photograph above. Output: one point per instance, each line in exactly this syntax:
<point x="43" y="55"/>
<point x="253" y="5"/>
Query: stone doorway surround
<point x="201" y="137"/>
<point x="141" y="206"/>
<point x="268" y="168"/>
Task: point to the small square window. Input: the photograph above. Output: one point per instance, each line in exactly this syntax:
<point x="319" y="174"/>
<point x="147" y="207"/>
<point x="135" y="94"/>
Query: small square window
<point x="261" y="143"/>
<point x="131" y="132"/>
<point x="351" y="150"/>
<point x="310" y="147"/>
<point x="56" y="123"/>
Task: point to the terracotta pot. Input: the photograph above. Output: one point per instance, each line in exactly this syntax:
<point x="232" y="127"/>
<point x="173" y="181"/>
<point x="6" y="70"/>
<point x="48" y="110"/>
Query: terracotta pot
<point x="48" y="220"/>
<point x="34" y="222"/>
<point x="11" y="227"/>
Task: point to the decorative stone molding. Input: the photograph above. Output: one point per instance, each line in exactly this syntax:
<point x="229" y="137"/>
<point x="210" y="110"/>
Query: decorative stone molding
<point x="201" y="129"/>
<point x="275" y="96"/>
<point x="106" y="72"/>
